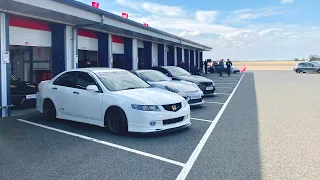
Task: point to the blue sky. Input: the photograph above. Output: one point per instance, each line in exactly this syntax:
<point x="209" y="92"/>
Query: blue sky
<point x="236" y="29"/>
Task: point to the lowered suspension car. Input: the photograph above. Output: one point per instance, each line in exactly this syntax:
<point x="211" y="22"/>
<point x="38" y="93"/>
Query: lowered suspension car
<point x="112" y="98"/>
<point x="190" y="91"/>
<point x="206" y="85"/>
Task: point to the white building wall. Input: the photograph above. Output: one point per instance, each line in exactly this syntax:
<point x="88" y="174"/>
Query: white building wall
<point x="134" y="54"/>
<point x="69" y="48"/>
<point x="86" y="43"/>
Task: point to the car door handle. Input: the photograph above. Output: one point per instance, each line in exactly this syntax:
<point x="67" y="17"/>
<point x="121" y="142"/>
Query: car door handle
<point x="54" y="88"/>
<point x="75" y="93"/>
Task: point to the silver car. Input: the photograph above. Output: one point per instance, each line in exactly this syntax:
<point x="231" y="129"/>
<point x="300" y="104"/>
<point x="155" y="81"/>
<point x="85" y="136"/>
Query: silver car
<point x="190" y="91"/>
<point x="306" y="67"/>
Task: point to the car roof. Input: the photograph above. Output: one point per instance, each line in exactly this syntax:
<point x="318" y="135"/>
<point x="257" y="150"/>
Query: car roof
<point x="144" y="70"/>
<point x="99" y="69"/>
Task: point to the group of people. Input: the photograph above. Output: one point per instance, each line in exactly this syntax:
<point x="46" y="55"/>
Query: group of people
<point x="221" y="64"/>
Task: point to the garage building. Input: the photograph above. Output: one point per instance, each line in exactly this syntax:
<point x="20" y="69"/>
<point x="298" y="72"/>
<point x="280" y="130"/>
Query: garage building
<point x="40" y="39"/>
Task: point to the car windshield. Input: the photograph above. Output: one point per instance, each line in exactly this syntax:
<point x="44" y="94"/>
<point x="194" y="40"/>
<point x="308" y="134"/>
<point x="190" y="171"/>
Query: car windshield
<point x="177" y="71"/>
<point x="153" y="76"/>
<point x="121" y="80"/>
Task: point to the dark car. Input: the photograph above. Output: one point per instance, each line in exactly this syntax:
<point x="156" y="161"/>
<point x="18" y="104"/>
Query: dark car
<point x="177" y="73"/>
<point x="22" y="93"/>
<point x="306" y="67"/>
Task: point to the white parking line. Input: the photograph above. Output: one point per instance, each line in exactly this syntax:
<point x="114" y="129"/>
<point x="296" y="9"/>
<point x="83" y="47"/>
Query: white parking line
<point x="186" y="169"/>
<point x="197" y="119"/>
<point x="106" y="143"/>
<point x="214" y="102"/>
<point x="225" y="87"/>
<point x="223" y="94"/>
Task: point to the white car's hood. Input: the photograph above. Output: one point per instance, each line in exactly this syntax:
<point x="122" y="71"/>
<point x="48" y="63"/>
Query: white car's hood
<point x="151" y="96"/>
<point x="179" y="85"/>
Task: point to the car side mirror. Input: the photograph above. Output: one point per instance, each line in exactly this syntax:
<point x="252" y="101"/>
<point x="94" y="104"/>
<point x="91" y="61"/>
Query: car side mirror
<point x="92" y="88"/>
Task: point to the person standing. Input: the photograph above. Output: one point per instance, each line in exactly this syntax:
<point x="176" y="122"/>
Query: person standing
<point x="228" y="64"/>
<point x="206" y="66"/>
<point x="221" y="64"/>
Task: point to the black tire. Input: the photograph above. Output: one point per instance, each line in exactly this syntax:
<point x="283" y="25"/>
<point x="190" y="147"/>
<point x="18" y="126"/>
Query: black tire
<point x="49" y="110"/>
<point x="116" y="121"/>
<point x="319" y="71"/>
<point x="298" y="71"/>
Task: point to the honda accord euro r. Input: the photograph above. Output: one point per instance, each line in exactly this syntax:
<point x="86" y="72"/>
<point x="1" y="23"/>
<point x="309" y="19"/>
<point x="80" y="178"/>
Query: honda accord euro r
<point x="190" y="91"/>
<point x="112" y="98"/>
<point x="206" y="85"/>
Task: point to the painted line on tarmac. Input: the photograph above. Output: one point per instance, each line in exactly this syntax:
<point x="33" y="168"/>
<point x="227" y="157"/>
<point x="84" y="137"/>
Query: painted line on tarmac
<point x="192" y="159"/>
<point x="214" y="102"/>
<point x="225" y="87"/>
<point x="106" y="143"/>
<point x="223" y="94"/>
<point x="197" y="119"/>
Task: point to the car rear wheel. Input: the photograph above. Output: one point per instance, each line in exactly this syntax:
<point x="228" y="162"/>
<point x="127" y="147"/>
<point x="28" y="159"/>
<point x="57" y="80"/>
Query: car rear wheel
<point x="49" y="110"/>
<point x="116" y="121"/>
<point x="318" y="70"/>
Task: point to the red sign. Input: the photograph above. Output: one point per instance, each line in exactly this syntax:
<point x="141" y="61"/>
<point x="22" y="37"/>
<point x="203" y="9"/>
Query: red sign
<point x="125" y="15"/>
<point x="95" y="4"/>
<point x="146" y="24"/>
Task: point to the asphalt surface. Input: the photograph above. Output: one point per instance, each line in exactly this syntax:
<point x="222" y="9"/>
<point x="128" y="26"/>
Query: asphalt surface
<point x="269" y="130"/>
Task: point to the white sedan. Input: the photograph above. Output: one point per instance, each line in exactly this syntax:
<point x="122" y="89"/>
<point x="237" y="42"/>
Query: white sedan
<point x="188" y="90"/>
<point x="112" y="98"/>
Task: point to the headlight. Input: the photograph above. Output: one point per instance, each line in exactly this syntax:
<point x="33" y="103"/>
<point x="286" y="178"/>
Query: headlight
<point x="145" y="107"/>
<point x="172" y="89"/>
<point x="184" y="103"/>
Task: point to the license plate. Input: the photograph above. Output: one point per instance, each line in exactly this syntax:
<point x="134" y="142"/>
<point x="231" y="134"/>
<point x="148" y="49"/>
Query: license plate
<point x="195" y="97"/>
<point x="31" y="96"/>
<point x="209" y="88"/>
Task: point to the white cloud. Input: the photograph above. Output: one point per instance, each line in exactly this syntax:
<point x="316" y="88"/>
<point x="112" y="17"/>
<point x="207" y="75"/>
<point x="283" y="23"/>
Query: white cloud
<point x="244" y="15"/>
<point x="287" y="1"/>
<point x="189" y="33"/>
<point x="153" y="8"/>
<point x="206" y="16"/>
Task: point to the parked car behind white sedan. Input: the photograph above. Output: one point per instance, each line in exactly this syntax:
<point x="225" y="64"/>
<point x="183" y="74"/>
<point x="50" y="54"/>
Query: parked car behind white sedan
<point x="188" y="90"/>
<point x="112" y="98"/>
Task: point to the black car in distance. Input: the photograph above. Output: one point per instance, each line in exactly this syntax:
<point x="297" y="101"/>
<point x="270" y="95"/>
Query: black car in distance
<point x="177" y="73"/>
<point x="23" y="94"/>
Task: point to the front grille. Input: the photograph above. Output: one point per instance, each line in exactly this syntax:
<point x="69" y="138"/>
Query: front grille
<point x="171" y="121"/>
<point x="193" y="101"/>
<point x="209" y="92"/>
<point x="207" y="83"/>
<point x="172" y="107"/>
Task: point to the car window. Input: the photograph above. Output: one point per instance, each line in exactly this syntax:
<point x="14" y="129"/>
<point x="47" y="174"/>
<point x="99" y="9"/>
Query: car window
<point x="164" y="71"/>
<point x="177" y="71"/>
<point x="153" y="76"/>
<point x="68" y="79"/>
<point x="84" y="80"/>
<point x="122" y="80"/>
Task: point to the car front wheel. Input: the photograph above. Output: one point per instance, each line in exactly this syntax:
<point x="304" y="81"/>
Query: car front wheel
<point x="116" y="121"/>
<point x="298" y="71"/>
<point x="49" y="110"/>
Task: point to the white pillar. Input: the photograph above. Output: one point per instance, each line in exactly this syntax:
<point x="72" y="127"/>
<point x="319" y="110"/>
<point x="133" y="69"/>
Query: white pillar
<point x="165" y="54"/>
<point x="182" y="55"/>
<point x="175" y="56"/>
<point x="134" y="54"/>
<point x="110" y="53"/>
<point x="75" y="48"/>
<point x="189" y="59"/>
<point x="154" y="54"/>
<point x="69" y="49"/>
<point x="194" y="58"/>
<point x="4" y="35"/>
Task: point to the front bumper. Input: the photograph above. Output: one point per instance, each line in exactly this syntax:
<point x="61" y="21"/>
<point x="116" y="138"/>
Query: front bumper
<point x="21" y="100"/>
<point x="146" y="122"/>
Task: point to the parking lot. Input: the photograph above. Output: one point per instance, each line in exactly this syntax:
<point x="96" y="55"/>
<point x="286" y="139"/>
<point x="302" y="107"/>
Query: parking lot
<point x="251" y="129"/>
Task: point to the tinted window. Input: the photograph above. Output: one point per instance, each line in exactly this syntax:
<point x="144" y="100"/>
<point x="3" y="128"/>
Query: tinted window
<point x="68" y="79"/>
<point x="162" y="70"/>
<point x="153" y="76"/>
<point x="84" y="80"/>
<point x="177" y="71"/>
<point x="121" y="80"/>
